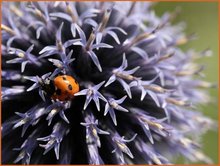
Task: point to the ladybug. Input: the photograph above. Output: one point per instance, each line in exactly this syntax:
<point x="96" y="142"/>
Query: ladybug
<point x="62" y="87"/>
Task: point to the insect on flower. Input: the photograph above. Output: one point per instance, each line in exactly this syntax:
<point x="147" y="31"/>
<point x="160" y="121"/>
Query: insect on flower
<point x="62" y="87"/>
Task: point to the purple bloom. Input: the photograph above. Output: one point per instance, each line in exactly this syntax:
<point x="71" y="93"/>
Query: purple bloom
<point x="124" y="58"/>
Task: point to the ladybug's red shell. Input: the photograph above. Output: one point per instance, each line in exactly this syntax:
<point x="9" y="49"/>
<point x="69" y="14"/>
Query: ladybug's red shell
<point x="65" y="87"/>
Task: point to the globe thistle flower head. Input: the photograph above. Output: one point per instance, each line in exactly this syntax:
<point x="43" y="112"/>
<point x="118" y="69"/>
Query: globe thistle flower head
<point x="137" y="94"/>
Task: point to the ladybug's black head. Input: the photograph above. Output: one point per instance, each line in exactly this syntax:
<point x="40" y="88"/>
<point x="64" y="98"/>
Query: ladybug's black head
<point x="48" y="86"/>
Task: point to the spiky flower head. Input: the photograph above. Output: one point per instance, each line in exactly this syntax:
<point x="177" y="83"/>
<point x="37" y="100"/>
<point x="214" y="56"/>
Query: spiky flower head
<point x="138" y="95"/>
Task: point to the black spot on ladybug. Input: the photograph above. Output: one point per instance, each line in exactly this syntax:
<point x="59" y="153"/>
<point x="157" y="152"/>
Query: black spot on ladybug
<point x="58" y="92"/>
<point x="70" y="87"/>
<point x="64" y="78"/>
